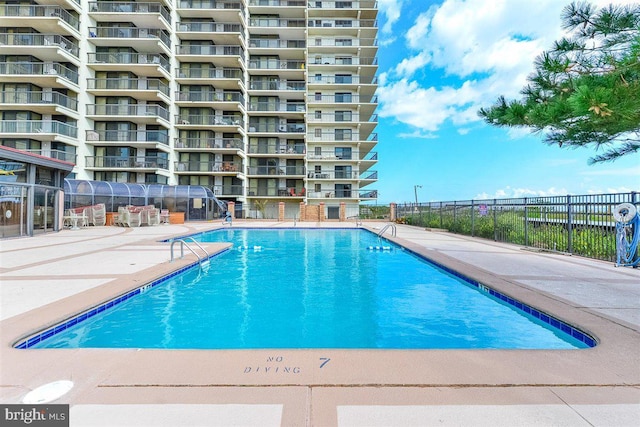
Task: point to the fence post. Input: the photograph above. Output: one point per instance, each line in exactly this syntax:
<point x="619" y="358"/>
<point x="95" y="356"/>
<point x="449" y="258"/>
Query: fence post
<point x="472" y="219"/>
<point x="526" y="222"/>
<point x="569" y="226"/>
<point x="441" y="223"/>
<point x="455" y="225"/>
<point x="495" y="221"/>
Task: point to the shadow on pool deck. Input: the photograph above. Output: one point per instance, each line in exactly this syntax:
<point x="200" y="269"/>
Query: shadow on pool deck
<point x="48" y="278"/>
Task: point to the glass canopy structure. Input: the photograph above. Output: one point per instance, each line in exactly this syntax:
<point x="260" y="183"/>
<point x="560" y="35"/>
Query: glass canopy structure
<point x="197" y="202"/>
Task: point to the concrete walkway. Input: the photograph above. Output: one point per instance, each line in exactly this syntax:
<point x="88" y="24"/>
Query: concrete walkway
<point x="50" y="277"/>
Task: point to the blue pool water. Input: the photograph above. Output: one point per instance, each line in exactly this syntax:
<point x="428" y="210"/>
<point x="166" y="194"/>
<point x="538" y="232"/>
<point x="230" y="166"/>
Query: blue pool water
<point x="312" y="288"/>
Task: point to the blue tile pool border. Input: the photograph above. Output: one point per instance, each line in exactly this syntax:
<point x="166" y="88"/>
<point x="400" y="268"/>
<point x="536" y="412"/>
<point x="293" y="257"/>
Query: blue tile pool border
<point x="554" y="322"/>
<point x="527" y="309"/>
<point x="34" y="339"/>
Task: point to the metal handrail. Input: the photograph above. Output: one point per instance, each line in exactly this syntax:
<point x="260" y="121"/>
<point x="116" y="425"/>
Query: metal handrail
<point x="393" y="230"/>
<point x="183" y="243"/>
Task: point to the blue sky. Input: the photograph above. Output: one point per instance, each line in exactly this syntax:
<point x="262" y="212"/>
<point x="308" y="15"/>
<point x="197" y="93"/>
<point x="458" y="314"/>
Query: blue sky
<point x="439" y="62"/>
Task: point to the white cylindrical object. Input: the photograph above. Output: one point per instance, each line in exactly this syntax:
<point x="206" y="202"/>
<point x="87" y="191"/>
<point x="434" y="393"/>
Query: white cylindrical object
<point x="624" y="212"/>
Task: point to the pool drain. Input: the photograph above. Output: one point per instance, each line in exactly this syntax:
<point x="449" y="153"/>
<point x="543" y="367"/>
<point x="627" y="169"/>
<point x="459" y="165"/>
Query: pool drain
<point x="48" y="392"/>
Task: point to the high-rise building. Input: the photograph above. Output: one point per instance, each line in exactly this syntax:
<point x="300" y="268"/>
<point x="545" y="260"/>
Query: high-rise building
<point x="261" y="100"/>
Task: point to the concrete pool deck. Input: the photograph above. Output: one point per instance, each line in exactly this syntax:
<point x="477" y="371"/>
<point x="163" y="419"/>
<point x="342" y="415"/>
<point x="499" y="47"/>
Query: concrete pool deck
<point x="47" y="278"/>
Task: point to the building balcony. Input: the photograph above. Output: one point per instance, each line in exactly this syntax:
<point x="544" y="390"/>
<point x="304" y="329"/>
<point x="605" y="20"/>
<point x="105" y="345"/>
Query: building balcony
<point x="341" y="80"/>
<point x="55" y="154"/>
<point x="330" y="193"/>
<point x="46" y="47"/>
<point x="282" y="150"/>
<point x="50" y="19"/>
<point x="38" y="101"/>
<point x="142" y="64"/>
<point x="271" y="171"/>
<point x="278" y="107"/>
<point x="233" y="121"/>
<point x="278" y="85"/>
<point x="224" y="78"/>
<point x="222" y="33"/>
<point x="227" y="190"/>
<point x="219" y="100"/>
<point x="119" y="162"/>
<point x="229" y="56"/>
<point x="138" y="113"/>
<point x="290" y="192"/>
<point x="272" y="3"/>
<point x="334" y="155"/>
<point x="205" y="144"/>
<point x="342" y="23"/>
<point x="150" y="89"/>
<point x="42" y="130"/>
<point x="219" y="168"/>
<point x="220" y="10"/>
<point x="39" y="73"/>
<point x="141" y="14"/>
<point x="149" y="40"/>
<point x="276" y="64"/>
<point x="298" y="128"/>
<point x="276" y="44"/>
<point x="130" y="138"/>
<point x="333" y="175"/>
<point x="355" y="44"/>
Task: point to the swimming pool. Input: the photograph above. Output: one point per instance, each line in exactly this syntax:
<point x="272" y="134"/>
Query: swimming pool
<point x="312" y="288"/>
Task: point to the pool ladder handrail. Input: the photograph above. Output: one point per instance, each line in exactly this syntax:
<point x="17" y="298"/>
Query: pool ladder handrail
<point x="386" y="227"/>
<point x="183" y="243"/>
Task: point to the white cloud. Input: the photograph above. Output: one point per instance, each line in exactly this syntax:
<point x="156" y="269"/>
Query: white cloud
<point x="391" y="10"/>
<point x="483" y="49"/>
<point x="508" y="193"/>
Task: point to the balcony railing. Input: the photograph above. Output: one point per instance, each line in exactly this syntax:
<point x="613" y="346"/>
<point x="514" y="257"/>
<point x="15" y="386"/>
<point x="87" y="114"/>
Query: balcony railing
<point x="129" y="84"/>
<point x="210" y="120"/>
<point x="332" y="155"/>
<point x="227" y="190"/>
<point x="345" y="60"/>
<point x="36" y="68"/>
<point x="213" y="50"/>
<point x="130" y="136"/>
<point x="332" y="174"/>
<point x="347" y="98"/>
<point x="209" y="143"/>
<point x="299" y="3"/>
<point x="131" y="33"/>
<point x="38" y="126"/>
<point x="330" y="193"/>
<point x="277" y="85"/>
<point x="208" y="166"/>
<point x="277" y="149"/>
<point x="127" y="110"/>
<point x="276" y="170"/>
<point x="343" y="80"/>
<point x="39" y="40"/>
<point x="277" y="22"/>
<point x="126" y="58"/>
<point x="209" y="73"/>
<point x="210" y="97"/>
<point x="334" y="136"/>
<point x="289" y="128"/>
<point x="55" y="154"/>
<point x="277" y="44"/>
<point x="276" y="64"/>
<point x="38" y="97"/>
<point x="119" y="162"/>
<point x="274" y="192"/>
<point x="210" y="27"/>
<point x="369" y="175"/>
<point x="339" y="116"/>
<point x="278" y="107"/>
<point x="130" y="7"/>
<point x="210" y="4"/>
<point x="342" y="42"/>
<point x="24" y="10"/>
<point x="343" y="23"/>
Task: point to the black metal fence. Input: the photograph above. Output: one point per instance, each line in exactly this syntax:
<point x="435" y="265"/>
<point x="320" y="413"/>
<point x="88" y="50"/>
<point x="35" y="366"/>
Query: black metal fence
<point x="581" y="225"/>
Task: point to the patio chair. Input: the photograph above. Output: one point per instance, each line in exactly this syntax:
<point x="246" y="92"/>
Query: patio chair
<point x="98" y="214"/>
<point x="164" y="216"/>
